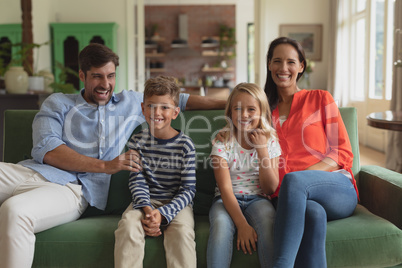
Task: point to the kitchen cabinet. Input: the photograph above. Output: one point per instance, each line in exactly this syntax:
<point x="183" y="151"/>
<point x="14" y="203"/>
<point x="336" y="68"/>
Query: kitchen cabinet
<point x="202" y="31"/>
<point x="70" y="38"/>
<point x="154" y="59"/>
<point x="10" y="33"/>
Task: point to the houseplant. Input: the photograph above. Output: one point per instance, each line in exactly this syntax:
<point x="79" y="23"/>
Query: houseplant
<point x="12" y="58"/>
<point x="227" y="42"/>
<point x="62" y="86"/>
<point x="304" y="81"/>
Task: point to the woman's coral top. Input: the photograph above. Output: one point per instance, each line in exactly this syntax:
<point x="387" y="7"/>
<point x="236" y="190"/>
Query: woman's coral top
<point x="313" y="131"/>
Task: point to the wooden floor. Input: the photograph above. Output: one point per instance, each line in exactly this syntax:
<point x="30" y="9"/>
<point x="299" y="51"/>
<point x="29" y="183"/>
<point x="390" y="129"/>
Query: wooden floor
<point x="370" y="156"/>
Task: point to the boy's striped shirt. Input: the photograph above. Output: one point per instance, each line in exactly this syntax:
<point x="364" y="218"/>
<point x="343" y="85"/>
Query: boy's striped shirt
<point x="168" y="173"/>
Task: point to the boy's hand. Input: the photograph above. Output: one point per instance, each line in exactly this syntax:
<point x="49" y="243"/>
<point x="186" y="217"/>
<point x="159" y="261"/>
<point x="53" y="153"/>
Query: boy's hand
<point x="152" y="221"/>
<point x="246" y="239"/>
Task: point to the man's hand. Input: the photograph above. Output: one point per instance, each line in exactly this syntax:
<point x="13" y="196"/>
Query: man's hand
<point x="130" y="160"/>
<point x="152" y="222"/>
<point x="246" y="239"/>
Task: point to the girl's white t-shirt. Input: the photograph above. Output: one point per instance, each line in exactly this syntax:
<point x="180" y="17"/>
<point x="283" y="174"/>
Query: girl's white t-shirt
<point x="243" y="165"/>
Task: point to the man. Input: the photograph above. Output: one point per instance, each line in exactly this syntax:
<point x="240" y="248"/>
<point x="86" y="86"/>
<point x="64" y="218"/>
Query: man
<point x="77" y="145"/>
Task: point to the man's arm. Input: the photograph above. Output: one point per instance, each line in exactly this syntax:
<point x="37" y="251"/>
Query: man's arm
<point x="66" y="158"/>
<point x="50" y="148"/>
<point x="196" y="102"/>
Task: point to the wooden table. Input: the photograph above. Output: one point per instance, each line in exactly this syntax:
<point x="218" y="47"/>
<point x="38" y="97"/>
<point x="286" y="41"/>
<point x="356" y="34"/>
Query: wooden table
<point x="391" y="120"/>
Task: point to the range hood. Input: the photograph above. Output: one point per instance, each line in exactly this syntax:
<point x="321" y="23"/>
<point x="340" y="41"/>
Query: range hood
<point x="180" y="45"/>
<point x="181" y="42"/>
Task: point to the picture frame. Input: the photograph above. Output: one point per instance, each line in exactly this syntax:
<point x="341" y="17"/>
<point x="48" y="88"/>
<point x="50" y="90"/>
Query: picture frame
<point x="308" y="35"/>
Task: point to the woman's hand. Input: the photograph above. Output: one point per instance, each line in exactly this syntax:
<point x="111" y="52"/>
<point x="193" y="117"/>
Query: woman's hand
<point x="220" y="136"/>
<point x="246" y="239"/>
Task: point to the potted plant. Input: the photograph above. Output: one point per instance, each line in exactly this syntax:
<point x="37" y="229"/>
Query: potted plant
<point x="11" y="62"/>
<point x="62" y="86"/>
<point x="227" y="42"/>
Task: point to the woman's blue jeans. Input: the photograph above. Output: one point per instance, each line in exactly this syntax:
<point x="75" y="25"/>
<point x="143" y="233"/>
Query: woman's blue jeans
<point x="260" y="214"/>
<point x="307" y="199"/>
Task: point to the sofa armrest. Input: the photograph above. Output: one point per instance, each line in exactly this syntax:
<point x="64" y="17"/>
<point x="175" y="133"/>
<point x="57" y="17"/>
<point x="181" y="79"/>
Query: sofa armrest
<point x="380" y="192"/>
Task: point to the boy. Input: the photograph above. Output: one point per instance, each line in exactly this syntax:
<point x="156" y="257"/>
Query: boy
<point x="163" y="191"/>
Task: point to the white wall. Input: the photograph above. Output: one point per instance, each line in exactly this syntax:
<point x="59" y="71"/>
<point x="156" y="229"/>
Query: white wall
<point x="10" y="11"/>
<point x="48" y="11"/>
<point x="275" y="12"/>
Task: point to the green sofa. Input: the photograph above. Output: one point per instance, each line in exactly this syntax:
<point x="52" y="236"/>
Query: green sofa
<point x="372" y="237"/>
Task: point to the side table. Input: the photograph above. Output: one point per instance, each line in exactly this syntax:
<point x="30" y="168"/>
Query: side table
<point x="391" y="120"/>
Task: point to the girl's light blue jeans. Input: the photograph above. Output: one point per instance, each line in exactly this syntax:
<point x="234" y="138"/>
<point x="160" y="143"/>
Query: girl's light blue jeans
<point x="260" y="214"/>
<point x="307" y="199"/>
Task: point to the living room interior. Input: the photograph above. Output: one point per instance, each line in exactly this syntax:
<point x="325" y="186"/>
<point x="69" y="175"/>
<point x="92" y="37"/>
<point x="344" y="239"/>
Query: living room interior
<point x="354" y="58"/>
<point x="135" y="21"/>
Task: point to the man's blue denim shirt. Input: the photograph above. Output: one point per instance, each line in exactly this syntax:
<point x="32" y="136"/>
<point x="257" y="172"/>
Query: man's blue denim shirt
<point x="96" y="131"/>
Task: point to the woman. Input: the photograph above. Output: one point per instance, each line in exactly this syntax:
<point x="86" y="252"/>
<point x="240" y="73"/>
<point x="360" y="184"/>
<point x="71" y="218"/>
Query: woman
<point x="317" y="182"/>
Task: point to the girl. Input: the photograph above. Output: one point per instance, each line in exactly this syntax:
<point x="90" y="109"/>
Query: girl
<point x="246" y="172"/>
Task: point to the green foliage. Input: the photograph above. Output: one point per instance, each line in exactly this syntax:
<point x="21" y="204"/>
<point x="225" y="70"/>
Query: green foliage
<point x="310" y="65"/>
<point x="227" y="41"/>
<point x="62" y="86"/>
<point x="18" y="57"/>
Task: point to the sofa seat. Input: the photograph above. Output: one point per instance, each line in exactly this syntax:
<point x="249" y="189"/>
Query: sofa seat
<point x="371" y="237"/>
<point x="90" y="243"/>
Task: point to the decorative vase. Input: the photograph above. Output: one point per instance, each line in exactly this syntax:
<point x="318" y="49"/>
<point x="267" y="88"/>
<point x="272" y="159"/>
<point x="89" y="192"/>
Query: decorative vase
<point x="49" y="79"/>
<point x="16" y="80"/>
<point x="36" y="83"/>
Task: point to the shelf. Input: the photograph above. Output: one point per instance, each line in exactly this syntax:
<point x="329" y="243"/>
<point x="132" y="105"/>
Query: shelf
<point x="153" y="42"/>
<point x="210" y="41"/>
<point x="157" y="70"/>
<point x="155" y="55"/>
<point x="151" y="46"/>
<point x="209" y="53"/>
<point x="217" y="70"/>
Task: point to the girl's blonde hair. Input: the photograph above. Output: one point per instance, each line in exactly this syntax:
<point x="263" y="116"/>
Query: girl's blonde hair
<point x="257" y="93"/>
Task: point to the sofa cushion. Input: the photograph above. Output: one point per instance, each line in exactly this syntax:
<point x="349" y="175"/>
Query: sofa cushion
<point x="119" y="197"/>
<point x="363" y="240"/>
<point x="86" y="242"/>
<point x="90" y="243"/>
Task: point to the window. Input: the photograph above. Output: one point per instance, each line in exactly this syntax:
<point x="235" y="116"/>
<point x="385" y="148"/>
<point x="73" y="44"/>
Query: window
<point x="365" y="39"/>
<point x="250" y="53"/>
<point x="383" y="40"/>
